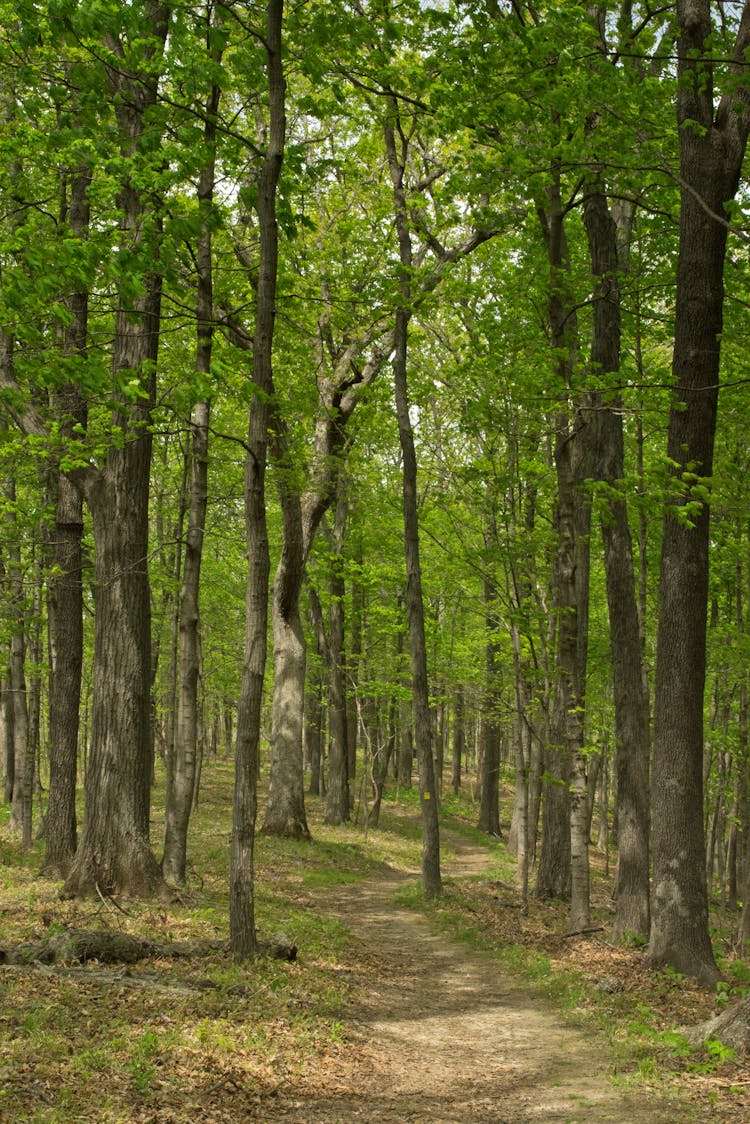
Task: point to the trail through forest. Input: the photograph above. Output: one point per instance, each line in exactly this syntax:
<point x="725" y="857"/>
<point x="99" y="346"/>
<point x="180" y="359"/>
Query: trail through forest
<point x="438" y="1032"/>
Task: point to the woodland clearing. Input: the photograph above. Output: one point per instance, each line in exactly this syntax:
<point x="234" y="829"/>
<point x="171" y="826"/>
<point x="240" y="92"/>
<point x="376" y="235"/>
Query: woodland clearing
<point x="467" y="1009"/>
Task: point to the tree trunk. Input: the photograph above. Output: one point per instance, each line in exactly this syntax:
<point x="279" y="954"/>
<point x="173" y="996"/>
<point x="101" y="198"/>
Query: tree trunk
<point x="181" y="762"/>
<point x="337" y="796"/>
<point x="522" y="801"/>
<point x="302" y="513"/>
<point x="313" y="721"/>
<point x="563" y="870"/>
<point x="382" y="760"/>
<point x="243" y="937"/>
<point x="115" y="854"/>
<point x="285" y="810"/>
<point x="66" y="639"/>
<point x="711" y="152"/>
<point x="743" y="835"/>
<point x="353" y="665"/>
<point x="21" y="803"/>
<point x="489" y="772"/>
<point x="431" y="880"/>
<point x="459" y="739"/>
<point x="7" y="739"/>
<point x="66" y="586"/>
<point x="631" y="701"/>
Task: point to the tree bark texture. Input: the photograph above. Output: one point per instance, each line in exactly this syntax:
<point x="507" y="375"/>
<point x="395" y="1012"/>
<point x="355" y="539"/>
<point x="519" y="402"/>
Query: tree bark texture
<point x="712" y="147"/>
<point x="66" y="586"/>
<point x="489" y="778"/>
<point x="459" y="740"/>
<point x="337" y="795"/>
<point x="302" y="512"/>
<point x="631" y="701"/>
<point x="114" y="855"/>
<point x="563" y="862"/>
<point x="66" y="635"/>
<point x="242" y="932"/>
<point x="431" y="879"/>
<point x="285" y="809"/>
<point x="181" y="761"/>
<point x="7" y="741"/>
<point x="23" y="765"/>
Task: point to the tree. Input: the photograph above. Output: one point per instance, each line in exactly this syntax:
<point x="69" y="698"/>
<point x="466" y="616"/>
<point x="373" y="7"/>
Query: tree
<point x="114" y="854"/>
<point x="66" y="588"/>
<point x="241" y="890"/>
<point x="630" y="697"/>
<point x="713" y="139"/>
<point x="397" y="154"/>
<point x="337" y="793"/>
<point x="182" y="760"/>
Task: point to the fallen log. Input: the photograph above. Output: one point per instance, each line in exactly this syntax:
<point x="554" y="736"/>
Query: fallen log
<point x="109" y="946"/>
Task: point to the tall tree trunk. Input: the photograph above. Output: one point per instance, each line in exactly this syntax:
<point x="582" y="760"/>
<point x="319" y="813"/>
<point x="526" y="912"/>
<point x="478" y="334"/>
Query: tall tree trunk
<point x="313" y="719"/>
<point x="631" y="701"/>
<point x="7" y="738"/>
<point x="431" y="880"/>
<point x="572" y="578"/>
<point x="743" y="928"/>
<point x="66" y="585"/>
<point x="66" y="640"/>
<point x="489" y="774"/>
<point x="114" y="855"/>
<point x="459" y="738"/>
<point x="712" y="147"/>
<point x="337" y="796"/>
<point x="181" y="762"/>
<point x="563" y="870"/>
<point x="285" y="809"/>
<point x="353" y="664"/>
<point x="241" y="879"/>
<point x="382" y="759"/>
<point x="21" y="804"/>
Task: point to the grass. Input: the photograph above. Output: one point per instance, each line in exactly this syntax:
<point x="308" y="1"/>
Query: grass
<point x="208" y="1040"/>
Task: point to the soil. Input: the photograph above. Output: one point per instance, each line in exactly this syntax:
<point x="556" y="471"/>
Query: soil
<point x="436" y="1032"/>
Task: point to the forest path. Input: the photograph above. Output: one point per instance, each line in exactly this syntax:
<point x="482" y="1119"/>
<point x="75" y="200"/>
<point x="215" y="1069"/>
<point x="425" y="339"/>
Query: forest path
<point x="438" y="1032"/>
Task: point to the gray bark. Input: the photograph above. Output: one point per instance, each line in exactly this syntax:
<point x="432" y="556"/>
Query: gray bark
<point x="242" y="932"/>
<point x="182" y="760"/>
<point x="114" y="855"/>
<point x="431" y="879"/>
<point x="489" y="771"/>
<point x="337" y="795"/>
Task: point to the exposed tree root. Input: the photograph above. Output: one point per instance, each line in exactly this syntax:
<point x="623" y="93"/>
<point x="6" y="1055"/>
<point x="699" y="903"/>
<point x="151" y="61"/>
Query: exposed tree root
<point x="731" y="1027"/>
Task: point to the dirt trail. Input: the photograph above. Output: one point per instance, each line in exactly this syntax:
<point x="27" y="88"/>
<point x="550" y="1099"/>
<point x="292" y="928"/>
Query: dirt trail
<point x="443" y="1035"/>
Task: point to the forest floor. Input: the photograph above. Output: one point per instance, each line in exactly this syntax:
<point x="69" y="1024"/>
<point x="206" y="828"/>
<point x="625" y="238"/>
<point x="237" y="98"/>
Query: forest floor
<point x="469" y="1009"/>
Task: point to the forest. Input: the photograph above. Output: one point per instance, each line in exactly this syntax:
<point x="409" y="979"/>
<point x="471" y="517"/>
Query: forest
<point x="372" y="401"/>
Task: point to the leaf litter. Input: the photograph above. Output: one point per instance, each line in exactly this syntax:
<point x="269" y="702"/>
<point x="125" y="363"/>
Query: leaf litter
<point x="400" y="1021"/>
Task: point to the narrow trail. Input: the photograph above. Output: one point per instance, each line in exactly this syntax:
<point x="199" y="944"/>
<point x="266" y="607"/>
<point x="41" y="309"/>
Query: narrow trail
<point x="439" y="1033"/>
